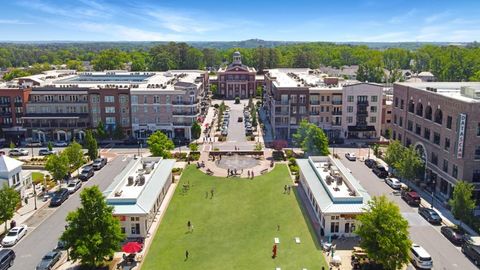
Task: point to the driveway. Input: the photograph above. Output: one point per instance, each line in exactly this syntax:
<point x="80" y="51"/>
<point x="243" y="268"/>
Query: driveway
<point x="236" y="130"/>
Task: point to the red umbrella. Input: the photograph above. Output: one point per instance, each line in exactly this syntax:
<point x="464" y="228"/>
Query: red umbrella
<point x="132" y="247"/>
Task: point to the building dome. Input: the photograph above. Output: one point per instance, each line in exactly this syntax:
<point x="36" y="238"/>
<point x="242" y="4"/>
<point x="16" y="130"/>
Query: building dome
<point x="237" y="53"/>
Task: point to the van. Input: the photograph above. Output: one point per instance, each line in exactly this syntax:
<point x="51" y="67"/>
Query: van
<point x="472" y="251"/>
<point x="420" y="257"/>
<point x="411" y="197"/>
<point x="7" y="257"/>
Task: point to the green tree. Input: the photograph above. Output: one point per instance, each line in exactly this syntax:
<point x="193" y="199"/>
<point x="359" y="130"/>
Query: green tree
<point x="50" y="146"/>
<point x="109" y="59"/>
<point x="75" y="64"/>
<point x="9" y="200"/>
<point x="74" y="154"/>
<point x="410" y="163"/>
<point x="118" y="133"/>
<point x="101" y="131"/>
<point x="311" y="139"/>
<point x="91" y="145"/>
<point x="462" y="201"/>
<point x="193" y="147"/>
<point x="214" y="89"/>
<point x="258" y="146"/>
<point x="92" y="233"/>
<point x="196" y="130"/>
<point x="12" y="145"/>
<point x="394" y="153"/>
<point x="57" y="166"/>
<point x="160" y="145"/>
<point x="384" y="233"/>
<point x="15" y="73"/>
<point x="376" y="149"/>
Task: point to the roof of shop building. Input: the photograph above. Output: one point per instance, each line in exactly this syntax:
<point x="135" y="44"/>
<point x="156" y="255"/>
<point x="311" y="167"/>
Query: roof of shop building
<point x="448" y="89"/>
<point x="304" y="78"/>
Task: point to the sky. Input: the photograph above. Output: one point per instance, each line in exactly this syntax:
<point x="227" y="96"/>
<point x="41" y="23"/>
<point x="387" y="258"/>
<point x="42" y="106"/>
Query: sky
<point x="227" y="20"/>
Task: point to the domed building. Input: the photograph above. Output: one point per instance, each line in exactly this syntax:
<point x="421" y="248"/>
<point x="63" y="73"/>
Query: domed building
<point x="237" y="79"/>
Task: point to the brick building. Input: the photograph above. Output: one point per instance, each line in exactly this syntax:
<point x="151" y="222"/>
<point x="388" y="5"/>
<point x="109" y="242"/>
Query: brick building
<point x="12" y="108"/>
<point x="236" y="79"/>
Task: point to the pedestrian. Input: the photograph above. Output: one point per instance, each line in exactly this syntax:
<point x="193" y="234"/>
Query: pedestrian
<point x="285" y="189"/>
<point x="252" y="174"/>
<point x="278" y="227"/>
<point x="288" y="190"/>
<point x="274" y="250"/>
<point x="211" y="192"/>
<point x="189" y="225"/>
<point x="186" y="255"/>
<point x="248" y="174"/>
<point x="228" y="172"/>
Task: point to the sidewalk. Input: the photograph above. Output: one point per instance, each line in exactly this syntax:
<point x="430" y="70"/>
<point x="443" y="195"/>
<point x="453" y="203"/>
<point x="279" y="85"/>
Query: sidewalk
<point x="267" y="136"/>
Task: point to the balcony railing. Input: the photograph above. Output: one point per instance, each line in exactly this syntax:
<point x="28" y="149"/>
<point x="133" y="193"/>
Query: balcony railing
<point x="281" y="102"/>
<point x="185" y="113"/>
<point x="362" y="102"/>
<point x="177" y="124"/>
<point x="364" y="113"/>
<point x="336" y="102"/>
<point x="314" y="113"/>
<point x="336" y="112"/>
<point x="185" y="102"/>
<point x="314" y="102"/>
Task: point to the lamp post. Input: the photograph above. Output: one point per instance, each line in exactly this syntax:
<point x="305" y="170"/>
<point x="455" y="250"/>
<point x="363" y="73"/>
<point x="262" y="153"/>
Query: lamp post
<point x="35" y="195"/>
<point x="433" y="192"/>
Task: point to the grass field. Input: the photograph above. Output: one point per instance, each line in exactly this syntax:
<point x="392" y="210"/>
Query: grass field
<point x="236" y="228"/>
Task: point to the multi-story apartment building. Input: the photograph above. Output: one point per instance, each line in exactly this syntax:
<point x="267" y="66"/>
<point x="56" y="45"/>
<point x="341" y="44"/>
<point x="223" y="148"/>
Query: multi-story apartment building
<point x="236" y="79"/>
<point x="387" y="108"/>
<point x="442" y="121"/>
<point x="12" y="108"/>
<point x="363" y="114"/>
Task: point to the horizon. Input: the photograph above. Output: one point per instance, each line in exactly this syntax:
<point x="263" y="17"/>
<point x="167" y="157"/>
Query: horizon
<point x="346" y="21"/>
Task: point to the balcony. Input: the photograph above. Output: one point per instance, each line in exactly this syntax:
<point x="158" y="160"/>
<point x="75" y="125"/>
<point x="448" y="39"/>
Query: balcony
<point x="362" y="102"/>
<point x="336" y="124"/>
<point x="314" y="102"/>
<point x="185" y="113"/>
<point x="362" y="113"/>
<point x="185" y="103"/>
<point x="336" y="112"/>
<point x="281" y="112"/>
<point x="177" y="124"/>
<point x="281" y="102"/>
<point x="336" y="102"/>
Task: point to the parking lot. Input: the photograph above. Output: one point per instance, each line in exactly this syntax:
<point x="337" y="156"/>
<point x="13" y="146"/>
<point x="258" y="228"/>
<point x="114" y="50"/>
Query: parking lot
<point x="236" y="130"/>
<point x="444" y="254"/>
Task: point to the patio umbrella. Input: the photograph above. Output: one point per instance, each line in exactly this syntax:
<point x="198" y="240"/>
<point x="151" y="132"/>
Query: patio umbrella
<point x="132" y="247"/>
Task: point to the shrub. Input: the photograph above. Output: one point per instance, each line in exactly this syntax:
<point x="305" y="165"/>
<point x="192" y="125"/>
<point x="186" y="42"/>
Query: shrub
<point x="180" y="156"/>
<point x="216" y="106"/>
<point x="292" y="161"/>
<point x="237" y="100"/>
<point x="289" y="153"/>
<point x="194" y="156"/>
<point x="278" y="155"/>
<point x="177" y="171"/>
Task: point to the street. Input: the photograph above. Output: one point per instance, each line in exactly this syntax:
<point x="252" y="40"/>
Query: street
<point x="445" y="255"/>
<point x="46" y="226"/>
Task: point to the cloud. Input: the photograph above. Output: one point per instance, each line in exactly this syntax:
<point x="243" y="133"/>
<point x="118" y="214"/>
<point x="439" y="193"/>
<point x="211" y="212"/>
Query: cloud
<point x="89" y="9"/>
<point x="185" y="22"/>
<point x="386" y="37"/>
<point x="404" y="17"/>
<point x="436" y="17"/>
<point x="122" y="32"/>
<point x="6" y="21"/>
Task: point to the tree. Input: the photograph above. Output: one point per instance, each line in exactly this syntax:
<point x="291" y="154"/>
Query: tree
<point x="193" y="147"/>
<point x="462" y="201"/>
<point x="196" y="130"/>
<point x="393" y="153"/>
<point x="50" y="146"/>
<point x="160" y="145"/>
<point x="387" y="133"/>
<point x="74" y="154"/>
<point x="9" y="200"/>
<point x="12" y="145"/>
<point x="258" y="146"/>
<point x="279" y="144"/>
<point x="409" y="164"/>
<point x="57" y="166"/>
<point x="91" y="145"/>
<point x="75" y="64"/>
<point x="92" y="233"/>
<point x="384" y="233"/>
<point x="101" y="131"/>
<point x="311" y="139"/>
<point x="109" y="59"/>
<point x="118" y="133"/>
<point x="214" y="89"/>
<point x="376" y="149"/>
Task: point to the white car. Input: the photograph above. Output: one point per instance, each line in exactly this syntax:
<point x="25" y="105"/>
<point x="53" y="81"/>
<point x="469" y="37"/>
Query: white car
<point x="18" y="152"/>
<point x="14" y="235"/>
<point x="74" y="185"/>
<point x="60" y="144"/>
<point x="420" y="257"/>
<point x="393" y="183"/>
<point x="351" y="156"/>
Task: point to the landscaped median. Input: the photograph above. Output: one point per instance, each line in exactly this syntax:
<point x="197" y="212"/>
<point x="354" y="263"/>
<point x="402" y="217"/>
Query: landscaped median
<point x="233" y="225"/>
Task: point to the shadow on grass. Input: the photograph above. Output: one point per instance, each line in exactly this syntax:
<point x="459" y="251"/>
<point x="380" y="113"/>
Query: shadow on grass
<point x="315" y="236"/>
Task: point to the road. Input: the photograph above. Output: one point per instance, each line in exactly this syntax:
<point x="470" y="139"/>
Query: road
<point x="236" y="130"/>
<point x="445" y="255"/>
<point x="48" y="223"/>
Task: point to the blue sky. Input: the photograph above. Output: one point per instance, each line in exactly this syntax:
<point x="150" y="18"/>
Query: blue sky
<point x="223" y="20"/>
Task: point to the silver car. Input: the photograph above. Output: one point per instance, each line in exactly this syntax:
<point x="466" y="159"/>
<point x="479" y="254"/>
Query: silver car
<point x="393" y="183"/>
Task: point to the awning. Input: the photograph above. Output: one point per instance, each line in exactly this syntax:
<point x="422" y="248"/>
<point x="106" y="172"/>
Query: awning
<point x="358" y="129"/>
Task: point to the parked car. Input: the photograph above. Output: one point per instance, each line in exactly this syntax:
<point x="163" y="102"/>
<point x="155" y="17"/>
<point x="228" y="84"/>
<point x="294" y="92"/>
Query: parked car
<point x="393" y="183"/>
<point x="430" y="215"/>
<point x="420" y="257"/>
<point x="411" y="197"/>
<point x="351" y="156"/>
<point x="14" y="235"/>
<point x="74" y="185"/>
<point x="130" y="141"/>
<point x="15" y="152"/>
<point x="46" y="152"/>
<point x="472" y="251"/>
<point x="380" y="171"/>
<point x="60" y="144"/>
<point x="7" y="257"/>
<point x="99" y="163"/>
<point x="34" y="144"/>
<point x="59" y="197"/>
<point x="456" y="236"/>
<point x="86" y="173"/>
<point x="49" y="260"/>
<point x="240" y="119"/>
<point x="370" y="162"/>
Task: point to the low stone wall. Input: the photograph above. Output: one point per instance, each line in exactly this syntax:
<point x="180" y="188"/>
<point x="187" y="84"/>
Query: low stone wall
<point x="238" y="152"/>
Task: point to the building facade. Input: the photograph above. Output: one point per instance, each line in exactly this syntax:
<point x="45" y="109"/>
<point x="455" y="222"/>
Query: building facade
<point x="236" y="79"/>
<point x="13" y="176"/>
<point x="111" y="106"/>
<point x="13" y="100"/>
<point x="442" y="121"/>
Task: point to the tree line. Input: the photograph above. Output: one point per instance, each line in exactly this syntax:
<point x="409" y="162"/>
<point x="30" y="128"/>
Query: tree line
<point x="447" y="63"/>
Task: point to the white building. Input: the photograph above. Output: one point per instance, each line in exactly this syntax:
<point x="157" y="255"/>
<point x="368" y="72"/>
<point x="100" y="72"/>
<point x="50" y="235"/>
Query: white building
<point x="333" y="193"/>
<point x="137" y="193"/>
<point x="362" y="115"/>
<point x="11" y="173"/>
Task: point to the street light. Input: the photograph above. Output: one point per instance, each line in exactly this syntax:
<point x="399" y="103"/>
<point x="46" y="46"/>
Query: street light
<point x="433" y="192"/>
<point x="35" y="195"/>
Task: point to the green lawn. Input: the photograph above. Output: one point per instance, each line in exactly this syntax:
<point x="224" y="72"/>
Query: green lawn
<point x="37" y="177"/>
<point x="236" y="228"/>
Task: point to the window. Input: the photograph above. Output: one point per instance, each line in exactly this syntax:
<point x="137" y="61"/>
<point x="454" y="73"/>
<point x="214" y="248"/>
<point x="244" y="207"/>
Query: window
<point x="420" y="109"/>
<point x="321" y="108"/>
<point x="95" y="98"/>
<point x="110" y="120"/>
<point x="447" y="144"/>
<point x="454" y="170"/>
<point x="374" y="98"/>
<point x="135" y="228"/>
<point x="418" y="129"/>
<point x="411" y="106"/>
<point x="409" y="125"/>
<point x="122" y="229"/>
<point x="396" y="102"/>
<point x="445" y="165"/>
<point x="478" y="129"/>
<point x="156" y="99"/>
<point x="426" y="133"/>
<point x="373" y="119"/>
<point x="395" y="119"/>
<point x="334" y="227"/>
<point x="293" y="98"/>
<point x="373" y="109"/>
<point x="434" y="158"/>
<point x="436" y="138"/>
<point x="109" y="109"/>
<point x="323" y="98"/>
<point x="302" y="110"/>
<point x="401" y="104"/>
<point x="167" y="99"/>
<point x="449" y="122"/>
<point x="476" y="175"/>
<point x="400" y="123"/>
<point x="408" y="142"/>
<point x="145" y="109"/>
<point x="134" y="109"/>
<point x="328" y="98"/>
<point x="349" y="119"/>
<point x="350" y="98"/>
<point x="328" y="108"/>
<point x="134" y="99"/>
<point x="109" y="99"/>
<point x="302" y="99"/>
<point x="477" y="152"/>
<point x="349" y="109"/>
<point x="438" y="116"/>
<point x="293" y="120"/>
<point x="123" y="99"/>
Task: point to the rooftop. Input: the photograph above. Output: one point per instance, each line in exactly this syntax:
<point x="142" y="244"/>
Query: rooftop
<point x="463" y="91"/>
<point x="136" y="188"/>
<point x="333" y="186"/>
<point x="305" y="78"/>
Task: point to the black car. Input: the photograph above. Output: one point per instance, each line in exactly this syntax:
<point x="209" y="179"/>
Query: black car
<point x="59" y="197"/>
<point x="7" y="257"/>
<point x="130" y="141"/>
<point x="455" y="236"/>
<point x="380" y="171"/>
<point x="49" y="260"/>
<point x="99" y="163"/>
<point x="430" y="215"/>
<point x="370" y="162"/>
<point x="472" y="251"/>
<point x="86" y="173"/>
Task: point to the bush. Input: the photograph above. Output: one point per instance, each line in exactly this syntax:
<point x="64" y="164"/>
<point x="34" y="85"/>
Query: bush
<point x="216" y="106"/>
<point x="194" y="156"/>
<point x="278" y="155"/>
<point x="177" y="171"/>
<point x="180" y="156"/>
<point x="292" y="161"/>
<point x="237" y="100"/>
<point x="289" y="153"/>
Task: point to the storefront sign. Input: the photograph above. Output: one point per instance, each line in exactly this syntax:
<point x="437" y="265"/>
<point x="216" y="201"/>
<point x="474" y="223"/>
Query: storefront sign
<point x="462" y="122"/>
